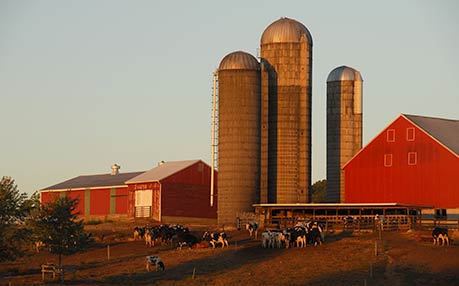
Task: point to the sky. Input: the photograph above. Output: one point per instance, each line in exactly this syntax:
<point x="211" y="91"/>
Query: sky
<point x="86" y="84"/>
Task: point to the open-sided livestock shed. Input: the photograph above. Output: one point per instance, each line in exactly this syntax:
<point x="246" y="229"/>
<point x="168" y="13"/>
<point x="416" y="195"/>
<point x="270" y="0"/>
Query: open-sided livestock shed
<point x="363" y="214"/>
<point x="414" y="160"/>
<point x="173" y="192"/>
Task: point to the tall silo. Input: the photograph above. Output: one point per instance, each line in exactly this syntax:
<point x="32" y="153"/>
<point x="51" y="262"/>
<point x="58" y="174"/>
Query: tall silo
<point x="286" y="51"/>
<point x="344" y="126"/>
<point x="238" y="135"/>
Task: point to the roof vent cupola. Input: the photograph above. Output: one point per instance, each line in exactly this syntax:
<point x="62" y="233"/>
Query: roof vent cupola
<point x="116" y="169"/>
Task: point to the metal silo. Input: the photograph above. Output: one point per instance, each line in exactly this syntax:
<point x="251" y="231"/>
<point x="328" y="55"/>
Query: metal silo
<point x="344" y="126"/>
<point x="286" y="52"/>
<point x="238" y="135"/>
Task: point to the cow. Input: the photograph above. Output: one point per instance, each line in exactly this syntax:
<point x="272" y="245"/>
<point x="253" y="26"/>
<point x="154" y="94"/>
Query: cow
<point x="315" y="234"/>
<point x="156" y="261"/>
<point x="295" y="236"/>
<point x="139" y="232"/>
<point x="148" y="238"/>
<point x="252" y="227"/>
<point x="216" y="238"/>
<point x="265" y="239"/>
<point x="440" y="233"/>
<point x="185" y="238"/>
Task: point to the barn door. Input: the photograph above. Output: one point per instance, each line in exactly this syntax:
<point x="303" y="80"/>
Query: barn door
<point x="143" y="203"/>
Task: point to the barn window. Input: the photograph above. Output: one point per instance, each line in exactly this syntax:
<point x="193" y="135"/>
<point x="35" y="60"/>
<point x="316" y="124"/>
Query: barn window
<point x="387" y="160"/>
<point x="412" y="158"/>
<point x="391" y="135"/>
<point x="200" y="167"/>
<point x="410" y="135"/>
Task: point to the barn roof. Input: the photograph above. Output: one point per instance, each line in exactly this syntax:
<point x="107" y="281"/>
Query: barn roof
<point x="446" y="131"/>
<point x="162" y="171"/>
<point x="94" y="181"/>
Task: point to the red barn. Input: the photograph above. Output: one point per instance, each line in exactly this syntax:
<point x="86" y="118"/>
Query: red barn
<point x="104" y="194"/>
<point x="173" y="192"/>
<point x="414" y="160"/>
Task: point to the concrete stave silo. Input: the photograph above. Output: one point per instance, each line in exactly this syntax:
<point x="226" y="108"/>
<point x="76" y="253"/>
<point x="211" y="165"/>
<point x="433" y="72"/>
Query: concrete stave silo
<point x="344" y="126"/>
<point x="239" y="85"/>
<point x="286" y="48"/>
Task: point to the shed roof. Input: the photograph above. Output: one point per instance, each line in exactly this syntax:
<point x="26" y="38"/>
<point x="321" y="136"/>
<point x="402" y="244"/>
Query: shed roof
<point x="162" y="171"/>
<point x="446" y="131"/>
<point x="93" y="181"/>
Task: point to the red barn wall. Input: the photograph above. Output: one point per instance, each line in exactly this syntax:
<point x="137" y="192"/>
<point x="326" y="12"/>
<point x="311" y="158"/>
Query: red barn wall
<point x="100" y="202"/>
<point x="187" y="193"/>
<point x="79" y="194"/>
<point x="121" y="201"/>
<point x="47" y="197"/>
<point x="433" y="180"/>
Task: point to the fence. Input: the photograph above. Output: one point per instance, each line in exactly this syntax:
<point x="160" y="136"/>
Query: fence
<point x="359" y="223"/>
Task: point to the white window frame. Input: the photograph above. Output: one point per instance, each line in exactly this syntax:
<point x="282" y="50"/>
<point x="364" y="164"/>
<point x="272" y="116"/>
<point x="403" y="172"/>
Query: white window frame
<point x="390" y="135"/>
<point x="408" y="132"/>
<point x="414" y="156"/>
<point x="388" y="160"/>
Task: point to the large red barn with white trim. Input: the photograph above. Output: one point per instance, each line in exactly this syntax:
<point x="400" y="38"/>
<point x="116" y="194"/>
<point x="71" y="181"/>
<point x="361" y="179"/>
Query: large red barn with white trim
<point x="102" y="194"/>
<point x="414" y="160"/>
<point x="172" y="191"/>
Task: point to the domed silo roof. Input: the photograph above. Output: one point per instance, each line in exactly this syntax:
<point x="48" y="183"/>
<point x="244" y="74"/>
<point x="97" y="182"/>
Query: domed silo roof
<point x="239" y="61"/>
<point x="285" y="30"/>
<point x="344" y="73"/>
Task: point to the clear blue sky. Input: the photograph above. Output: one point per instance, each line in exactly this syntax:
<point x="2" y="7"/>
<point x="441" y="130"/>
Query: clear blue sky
<point x="85" y="84"/>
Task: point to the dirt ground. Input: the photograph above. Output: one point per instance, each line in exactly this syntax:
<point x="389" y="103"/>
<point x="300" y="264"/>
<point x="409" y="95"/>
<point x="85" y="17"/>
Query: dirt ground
<point x="346" y="258"/>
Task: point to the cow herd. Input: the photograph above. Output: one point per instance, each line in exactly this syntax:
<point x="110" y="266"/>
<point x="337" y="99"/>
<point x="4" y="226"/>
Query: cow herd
<point x="301" y="235"/>
<point x="177" y="235"/>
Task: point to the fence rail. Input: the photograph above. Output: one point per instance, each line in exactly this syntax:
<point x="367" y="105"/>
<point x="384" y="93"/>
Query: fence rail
<point x="362" y="223"/>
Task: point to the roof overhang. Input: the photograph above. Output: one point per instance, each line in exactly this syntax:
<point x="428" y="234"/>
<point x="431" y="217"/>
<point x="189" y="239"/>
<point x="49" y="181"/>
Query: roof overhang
<point x="344" y="205"/>
<point x="83" y="188"/>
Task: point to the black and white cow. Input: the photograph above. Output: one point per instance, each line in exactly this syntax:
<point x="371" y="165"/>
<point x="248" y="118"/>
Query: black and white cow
<point x="156" y="261"/>
<point x="252" y="227"/>
<point x="139" y="232"/>
<point x="216" y="238"/>
<point x="440" y="233"/>
<point x="185" y="238"/>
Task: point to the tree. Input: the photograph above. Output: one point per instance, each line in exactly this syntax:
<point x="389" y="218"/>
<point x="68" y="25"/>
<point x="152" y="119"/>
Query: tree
<point x="13" y="210"/>
<point x="57" y="226"/>
<point x="318" y="191"/>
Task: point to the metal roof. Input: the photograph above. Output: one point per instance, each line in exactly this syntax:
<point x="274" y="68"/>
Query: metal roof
<point x="162" y="171"/>
<point x="344" y="73"/>
<point x="342" y="205"/>
<point x="239" y="61"/>
<point x="446" y="131"/>
<point x="94" y="181"/>
<point x="285" y="30"/>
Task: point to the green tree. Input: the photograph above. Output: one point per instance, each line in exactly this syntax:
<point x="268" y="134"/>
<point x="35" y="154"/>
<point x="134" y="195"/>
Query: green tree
<point x="318" y="191"/>
<point x="56" y="224"/>
<point x="13" y="210"/>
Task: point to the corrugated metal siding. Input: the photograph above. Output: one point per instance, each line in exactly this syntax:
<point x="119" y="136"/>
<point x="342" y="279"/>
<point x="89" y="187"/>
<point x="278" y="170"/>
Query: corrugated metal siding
<point x="100" y="202"/>
<point x="432" y="181"/>
<point x="81" y="201"/>
<point x="121" y="200"/>
<point x="47" y="197"/>
<point x="187" y="192"/>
